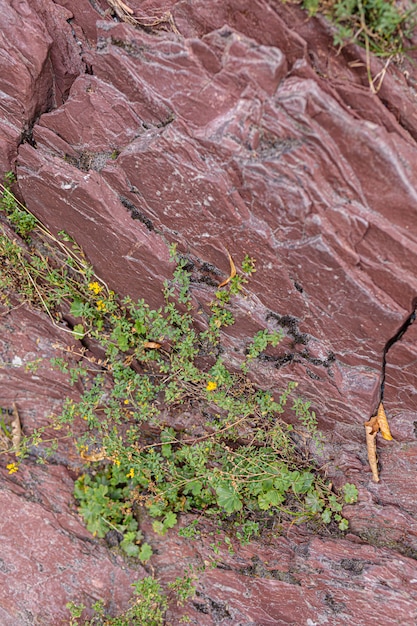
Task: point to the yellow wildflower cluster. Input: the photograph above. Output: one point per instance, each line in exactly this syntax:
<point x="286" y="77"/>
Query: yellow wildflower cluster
<point x="131" y="473"/>
<point x="95" y="287"/>
<point x="12" y="467"/>
<point x="211" y="385"/>
<point x="101" y="306"/>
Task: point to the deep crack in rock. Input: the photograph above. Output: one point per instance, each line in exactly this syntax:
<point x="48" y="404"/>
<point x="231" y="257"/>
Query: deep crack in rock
<point x="397" y="337"/>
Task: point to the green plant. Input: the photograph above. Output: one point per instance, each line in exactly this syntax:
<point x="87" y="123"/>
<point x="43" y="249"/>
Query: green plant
<point x="184" y="586"/>
<point x="191" y="531"/>
<point x="76" y="610"/>
<point x="381" y="26"/>
<point x="244" y="460"/>
<point x="350" y="493"/>
<point x="22" y="221"/>
<point x="247" y="531"/>
<point x="149" y="606"/>
<point x="104" y="505"/>
<point x="260" y="342"/>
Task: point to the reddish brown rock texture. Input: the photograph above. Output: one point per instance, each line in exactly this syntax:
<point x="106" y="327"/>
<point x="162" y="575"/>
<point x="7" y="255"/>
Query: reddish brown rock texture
<point x="243" y="130"/>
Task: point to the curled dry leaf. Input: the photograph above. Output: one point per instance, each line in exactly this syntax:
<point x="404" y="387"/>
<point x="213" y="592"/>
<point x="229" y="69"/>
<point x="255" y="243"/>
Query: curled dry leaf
<point x="232" y="272"/>
<point x="151" y="344"/>
<point x="383" y="423"/>
<point x="374" y="424"/>
<point x="377" y="423"/>
<point x="371" y="430"/>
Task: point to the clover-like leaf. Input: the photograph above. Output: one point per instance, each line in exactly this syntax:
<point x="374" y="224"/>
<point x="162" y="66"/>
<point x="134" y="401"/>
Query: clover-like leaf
<point x="350" y="493"/>
<point x="269" y="499"/>
<point x="228" y="499"/>
<point x="145" y="552"/>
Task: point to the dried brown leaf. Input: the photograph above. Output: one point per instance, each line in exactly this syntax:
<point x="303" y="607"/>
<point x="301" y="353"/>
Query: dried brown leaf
<point x="151" y="344"/>
<point x="371" y="447"/>
<point x="383" y="423"/>
<point x="232" y="272"/>
<point x="373" y="424"/>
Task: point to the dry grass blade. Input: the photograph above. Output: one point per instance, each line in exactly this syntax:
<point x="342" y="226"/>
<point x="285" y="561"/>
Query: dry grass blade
<point x="124" y="7"/>
<point x="127" y="14"/>
<point x="232" y="272"/>
<point x="120" y="8"/>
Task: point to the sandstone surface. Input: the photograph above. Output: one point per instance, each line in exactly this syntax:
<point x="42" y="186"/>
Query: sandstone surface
<point x="231" y="125"/>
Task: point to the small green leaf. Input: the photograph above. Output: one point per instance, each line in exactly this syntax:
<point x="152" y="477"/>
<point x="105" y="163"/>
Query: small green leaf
<point x="166" y="450"/>
<point x="269" y="499"/>
<point x="161" y="528"/>
<point x="170" y="520"/>
<point x="283" y="481"/>
<point x="140" y="327"/>
<point x="167" y="435"/>
<point x="78" y="331"/>
<point x="145" y="552"/>
<point x="326" y="516"/>
<point x="156" y="509"/>
<point x="194" y="487"/>
<point x="158" y="527"/>
<point x="77" y="308"/>
<point x="301" y="481"/>
<point x="128" y="544"/>
<point x="314" y="502"/>
<point x="350" y="492"/>
<point x="334" y="504"/>
<point x="343" y="524"/>
<point x="228" y="499"/>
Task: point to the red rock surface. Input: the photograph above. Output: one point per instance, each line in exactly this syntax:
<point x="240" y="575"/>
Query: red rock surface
<point x="243" y="131"/>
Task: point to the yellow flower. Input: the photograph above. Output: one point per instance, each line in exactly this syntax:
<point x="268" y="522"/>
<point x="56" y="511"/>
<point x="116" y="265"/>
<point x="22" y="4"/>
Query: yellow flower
<point x="131" y="473"/>
<point x="126" y="401"/>
<point x="95" y="287"/>
<point x="116" y="462"/>
<point x="211" y="385"/>
<point x="101" y="306"/>
<point x="12" y="467"/>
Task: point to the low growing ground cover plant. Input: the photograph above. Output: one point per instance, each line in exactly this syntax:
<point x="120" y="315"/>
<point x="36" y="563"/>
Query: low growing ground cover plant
<point x="382" y="26"/>
<point x="148" y="607"/>
<point x="243" y="464"/>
